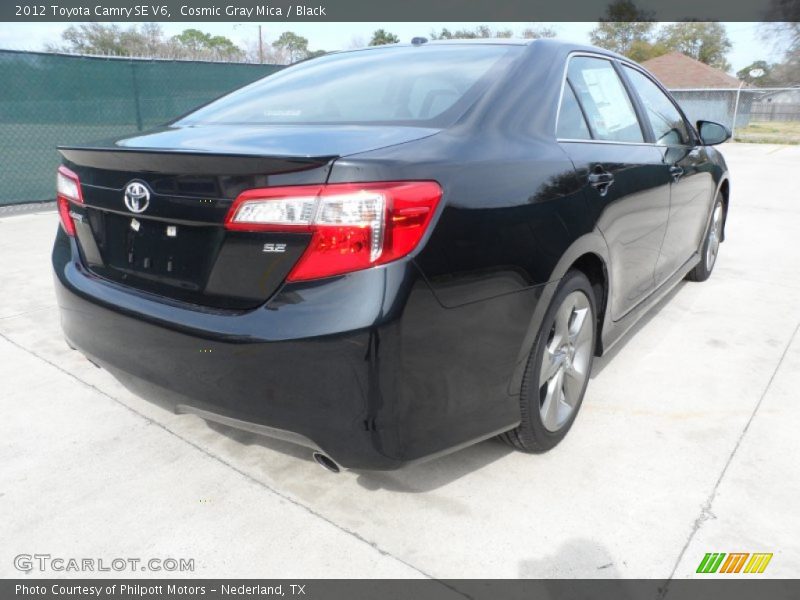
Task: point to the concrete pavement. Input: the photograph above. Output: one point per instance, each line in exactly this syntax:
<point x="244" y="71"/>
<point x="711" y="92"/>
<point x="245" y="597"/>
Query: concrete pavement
<point x="686" y="443"/>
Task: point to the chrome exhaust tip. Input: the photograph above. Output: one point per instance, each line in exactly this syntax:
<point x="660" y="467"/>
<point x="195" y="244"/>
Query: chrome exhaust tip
<point x="326" y="462"/>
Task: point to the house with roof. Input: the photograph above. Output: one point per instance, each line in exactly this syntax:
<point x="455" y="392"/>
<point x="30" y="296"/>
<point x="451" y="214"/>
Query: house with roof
<point x="703" y="91"/>
<point x="680" y="72"/>
<point x="777" y="105"/>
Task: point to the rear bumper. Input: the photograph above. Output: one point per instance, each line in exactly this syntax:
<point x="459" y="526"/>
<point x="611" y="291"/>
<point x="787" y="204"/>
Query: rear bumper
<point x="368" y="368"/>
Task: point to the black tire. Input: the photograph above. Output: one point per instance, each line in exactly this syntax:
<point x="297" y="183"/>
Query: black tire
<point x="531" y="435"/>
<point x="703" y="269"/>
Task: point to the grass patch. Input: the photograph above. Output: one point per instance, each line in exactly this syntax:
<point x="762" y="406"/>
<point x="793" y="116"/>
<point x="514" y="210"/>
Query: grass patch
<point x="769" y="132"/>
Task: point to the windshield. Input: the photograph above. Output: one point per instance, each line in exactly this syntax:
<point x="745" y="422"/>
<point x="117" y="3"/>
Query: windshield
<point x="414" y="85"/>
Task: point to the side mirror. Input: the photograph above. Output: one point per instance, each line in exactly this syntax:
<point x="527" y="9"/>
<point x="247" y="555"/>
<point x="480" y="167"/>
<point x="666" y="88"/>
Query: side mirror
<point x="712" y="133"/>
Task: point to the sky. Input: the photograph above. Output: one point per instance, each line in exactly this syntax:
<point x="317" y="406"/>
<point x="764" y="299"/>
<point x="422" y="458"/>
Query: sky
<point x="748" y="42"/>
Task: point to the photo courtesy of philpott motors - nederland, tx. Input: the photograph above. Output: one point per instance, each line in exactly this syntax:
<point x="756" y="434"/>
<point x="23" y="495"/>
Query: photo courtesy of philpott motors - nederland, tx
<point x="171" y="589"/>
<point x="139" y="590"/>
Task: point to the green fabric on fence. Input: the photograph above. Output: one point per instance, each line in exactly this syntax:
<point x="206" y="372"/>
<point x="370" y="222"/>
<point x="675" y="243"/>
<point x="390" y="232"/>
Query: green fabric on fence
<point x="49" y="99"/>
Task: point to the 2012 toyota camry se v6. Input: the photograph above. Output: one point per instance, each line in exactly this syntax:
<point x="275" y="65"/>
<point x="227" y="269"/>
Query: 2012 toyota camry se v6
<point x="391" y="253"/>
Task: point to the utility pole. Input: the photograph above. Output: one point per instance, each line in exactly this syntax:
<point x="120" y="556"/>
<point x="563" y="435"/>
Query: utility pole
<point x="260" y="47"/>
<point x="736" y="108"/>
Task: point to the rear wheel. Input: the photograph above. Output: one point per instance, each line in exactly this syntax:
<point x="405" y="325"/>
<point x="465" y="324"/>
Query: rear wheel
<point x="710" y="249"/>
<point x="558" y="367"/>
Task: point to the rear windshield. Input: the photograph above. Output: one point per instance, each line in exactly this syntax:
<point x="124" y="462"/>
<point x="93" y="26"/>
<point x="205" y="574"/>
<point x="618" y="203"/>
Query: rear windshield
<point x="415" y="85"/>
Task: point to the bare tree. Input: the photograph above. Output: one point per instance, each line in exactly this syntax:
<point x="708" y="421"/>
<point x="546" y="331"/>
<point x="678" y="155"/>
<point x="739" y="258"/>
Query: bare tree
<point x="357" y="42"/>
<point x="786" y="36"/>
<point x="146" y="41"/>
<point x="538" y="32"/>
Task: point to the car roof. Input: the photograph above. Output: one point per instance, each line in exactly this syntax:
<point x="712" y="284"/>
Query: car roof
<point x="550" y="43"/>
<point x="479" y="41"/>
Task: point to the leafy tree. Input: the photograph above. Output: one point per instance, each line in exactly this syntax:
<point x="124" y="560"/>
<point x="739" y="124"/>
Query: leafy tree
<point x="641" y="50"/>
<point x="762" y="77"/>
<point x="630" y="31"/>
<point x="193" y="39"/>
<point x="382" y="37"/>
<point x="623" y="28"/>
<point x="224" y="47"/>
<point x="199" y="43"/>
<point x="295" y="46"/>
<point x="707" y="42"/>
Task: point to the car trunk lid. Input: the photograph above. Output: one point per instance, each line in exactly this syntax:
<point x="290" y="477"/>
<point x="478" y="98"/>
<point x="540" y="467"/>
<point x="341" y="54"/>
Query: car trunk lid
<point x="154" y="205"/>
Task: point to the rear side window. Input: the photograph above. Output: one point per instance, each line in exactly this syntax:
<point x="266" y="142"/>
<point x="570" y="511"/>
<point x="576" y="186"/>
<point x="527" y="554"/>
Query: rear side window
<point x="571" y="123"/>
<point x="604" y="100"/>
<point x="426" y="85"/>
<point x="667" y="123"/>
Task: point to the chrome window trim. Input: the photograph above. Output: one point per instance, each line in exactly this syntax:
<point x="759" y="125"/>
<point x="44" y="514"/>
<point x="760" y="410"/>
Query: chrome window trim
<point x="563" y="84"/>
<point x="614" y="142"/>
<point x="689" y="127"/>
<point x="612" y="60"/>
<point x="580" y="108"/>
<point x="625" y="63"/>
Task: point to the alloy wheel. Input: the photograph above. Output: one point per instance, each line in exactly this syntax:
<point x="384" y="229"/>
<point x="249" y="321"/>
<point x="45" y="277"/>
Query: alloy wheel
<point x="565" y="361"/>
<point x="714" y="237"/>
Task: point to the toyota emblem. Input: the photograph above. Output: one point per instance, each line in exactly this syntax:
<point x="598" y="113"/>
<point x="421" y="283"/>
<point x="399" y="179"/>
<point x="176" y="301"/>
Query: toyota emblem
<point x="137" y="197"/>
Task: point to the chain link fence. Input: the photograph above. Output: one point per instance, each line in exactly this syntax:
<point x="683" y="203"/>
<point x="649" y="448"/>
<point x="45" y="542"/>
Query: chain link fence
<point x="761" y="115"/>
<point x="52" y="99"/>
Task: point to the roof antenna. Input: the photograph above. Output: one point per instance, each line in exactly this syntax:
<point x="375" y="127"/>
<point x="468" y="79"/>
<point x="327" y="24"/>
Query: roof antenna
<point x="418" y="41"/>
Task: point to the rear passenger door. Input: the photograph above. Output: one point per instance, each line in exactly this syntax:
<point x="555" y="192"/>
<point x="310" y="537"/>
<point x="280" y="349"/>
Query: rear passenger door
<point x="692" y="185"/>
<point x="627" y="185"/>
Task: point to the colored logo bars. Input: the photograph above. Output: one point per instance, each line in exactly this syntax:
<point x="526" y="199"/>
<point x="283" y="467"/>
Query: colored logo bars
<point x="736" y="562"/>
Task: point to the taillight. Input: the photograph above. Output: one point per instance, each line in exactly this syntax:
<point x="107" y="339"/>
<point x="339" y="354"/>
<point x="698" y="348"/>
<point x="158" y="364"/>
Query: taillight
<point x="68" y="189"/>
<point x="353" y="225"/>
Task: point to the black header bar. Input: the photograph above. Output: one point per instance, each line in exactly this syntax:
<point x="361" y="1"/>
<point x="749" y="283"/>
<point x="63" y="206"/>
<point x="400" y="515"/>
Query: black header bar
<point x="484" y="11"/>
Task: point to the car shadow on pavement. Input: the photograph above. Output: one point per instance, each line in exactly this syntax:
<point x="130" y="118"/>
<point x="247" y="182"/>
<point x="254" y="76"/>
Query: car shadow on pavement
<point x="246" y="438"/>
<point x="437" y="472"/>
<point x="601" y="362"/>
<point x="573" y="571"/>
<point x="413" y="479"/>
<point x="576" y="558"/>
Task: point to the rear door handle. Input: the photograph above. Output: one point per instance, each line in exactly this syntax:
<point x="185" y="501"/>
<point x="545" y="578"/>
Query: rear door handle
<point x="676" y="172"/>
<point x="600" y="179"/>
